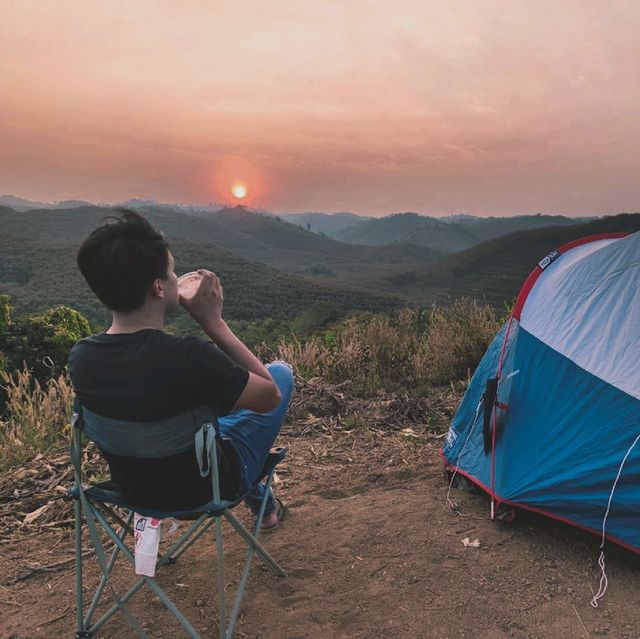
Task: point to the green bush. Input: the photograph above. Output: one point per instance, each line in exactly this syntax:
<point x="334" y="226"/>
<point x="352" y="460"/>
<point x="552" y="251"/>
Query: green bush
<point x="39" y="342"/>
<point x="316" y="318"/>
<point x="5" y="312"/>
<point x="270" y="331"/>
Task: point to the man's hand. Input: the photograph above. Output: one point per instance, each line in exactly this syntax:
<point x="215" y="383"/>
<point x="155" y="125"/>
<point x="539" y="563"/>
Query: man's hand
<point x="261" y="392"/>
<point x="206" y="304"/>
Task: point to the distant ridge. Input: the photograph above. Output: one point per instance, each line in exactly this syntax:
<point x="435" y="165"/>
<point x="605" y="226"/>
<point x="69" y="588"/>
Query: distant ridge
<point x="20" y="204"/>
<point x="298" y="269"/>
<point x="276" y="268"/>
<point x="450" y="235"/>
<point x="446" y="233"/>
<point x="327" y="223"/>
<point x="258" y="237"/>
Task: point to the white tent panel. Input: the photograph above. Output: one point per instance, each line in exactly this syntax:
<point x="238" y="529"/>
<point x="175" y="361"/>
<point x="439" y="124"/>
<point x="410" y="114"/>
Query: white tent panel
<point x="586" y="306"/>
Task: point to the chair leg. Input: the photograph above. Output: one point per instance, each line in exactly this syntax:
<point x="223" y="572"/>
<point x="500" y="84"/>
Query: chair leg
<point x="251" y="542"/>
<point x="115" y="607"/>
<point x="94" y="516"/>
<point x="247" y="564"/>
<point x="184" y="541"/>
<point x="151" y="582"/>
<point x="79" y="593"/>
<point x="222" y="612"/>
<point x="126" y="527"/>
<point x="123" y="523"/>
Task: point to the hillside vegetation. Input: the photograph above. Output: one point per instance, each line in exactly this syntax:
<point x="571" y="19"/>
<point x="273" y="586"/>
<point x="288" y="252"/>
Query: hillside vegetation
<point x="327" y="223"/>
<point x="259" y="238"/>
<point x="262" y="238"/>
<point x="273" y="269"/>
<point x="495" y="270"/>
<point x="40" y="275"/>
<point x="406" y="351"/>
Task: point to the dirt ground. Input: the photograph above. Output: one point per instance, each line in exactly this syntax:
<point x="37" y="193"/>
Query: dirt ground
<point x="372" y="550"/>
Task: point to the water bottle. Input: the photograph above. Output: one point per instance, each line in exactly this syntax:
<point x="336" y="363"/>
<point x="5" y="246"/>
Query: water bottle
<point x="147" y="541"/>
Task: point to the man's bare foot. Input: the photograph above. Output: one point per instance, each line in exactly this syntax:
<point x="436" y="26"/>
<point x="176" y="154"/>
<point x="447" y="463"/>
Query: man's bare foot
<point x="271" y="521"/>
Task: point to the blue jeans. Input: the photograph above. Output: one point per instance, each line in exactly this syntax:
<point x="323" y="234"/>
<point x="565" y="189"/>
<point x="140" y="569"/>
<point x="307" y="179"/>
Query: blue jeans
<point x="253" y="435"/>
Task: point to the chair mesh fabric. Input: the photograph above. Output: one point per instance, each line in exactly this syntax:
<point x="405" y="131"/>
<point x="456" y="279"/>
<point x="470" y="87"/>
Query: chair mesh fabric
<point x="147" y="440"/>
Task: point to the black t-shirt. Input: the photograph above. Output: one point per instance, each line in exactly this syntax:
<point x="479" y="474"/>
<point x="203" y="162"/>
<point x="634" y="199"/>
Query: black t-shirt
<point x="146" y="376"/>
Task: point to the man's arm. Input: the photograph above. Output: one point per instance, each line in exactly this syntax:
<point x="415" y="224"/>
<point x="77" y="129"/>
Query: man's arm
<point x="261" y="393"/>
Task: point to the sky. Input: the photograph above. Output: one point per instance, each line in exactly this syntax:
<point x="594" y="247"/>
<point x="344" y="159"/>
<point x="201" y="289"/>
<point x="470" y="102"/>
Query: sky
<point x="485" y="107"/>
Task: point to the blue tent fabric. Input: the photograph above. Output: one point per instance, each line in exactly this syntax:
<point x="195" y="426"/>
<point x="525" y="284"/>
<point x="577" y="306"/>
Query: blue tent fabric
<point x="464" y="445"/>
<point x="560" y="442"/>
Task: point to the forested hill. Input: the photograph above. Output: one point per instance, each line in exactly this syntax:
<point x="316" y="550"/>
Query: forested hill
<point x="257" y="237"/>
<point x="274" y="269"/>
<point x="495" y="270"/>
<point x="39" y="275"/>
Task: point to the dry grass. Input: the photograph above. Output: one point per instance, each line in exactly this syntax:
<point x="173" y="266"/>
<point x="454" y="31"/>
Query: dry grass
<point x="410" y="350"/>
<point x="403" y="354"/>
<point x="36" y="416"/>
<point x="456" y="340"/>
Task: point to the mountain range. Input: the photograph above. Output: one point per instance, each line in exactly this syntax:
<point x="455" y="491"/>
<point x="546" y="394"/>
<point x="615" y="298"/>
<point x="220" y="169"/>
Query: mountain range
<point x="448" y="234"/>
<point x="273" y="268"/>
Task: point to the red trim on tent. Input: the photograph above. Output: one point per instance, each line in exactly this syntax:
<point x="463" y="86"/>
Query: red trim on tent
<point x="537" y="272"/>
<point x="494" y="415"/>
<point x="538" y="511"/>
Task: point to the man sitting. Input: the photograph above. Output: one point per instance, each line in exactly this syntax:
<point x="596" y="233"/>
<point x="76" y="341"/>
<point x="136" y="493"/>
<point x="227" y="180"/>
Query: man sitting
<point x="134" y="371"/>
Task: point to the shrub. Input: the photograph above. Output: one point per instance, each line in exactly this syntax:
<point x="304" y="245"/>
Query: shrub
<point x="316" y="317"/>
<point x="41" y="342"/>
<point x="5" y="312"/>
<point x="269" y="332"/>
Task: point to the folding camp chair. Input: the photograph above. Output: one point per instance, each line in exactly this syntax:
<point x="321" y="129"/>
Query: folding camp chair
<point x="96" y="503"/>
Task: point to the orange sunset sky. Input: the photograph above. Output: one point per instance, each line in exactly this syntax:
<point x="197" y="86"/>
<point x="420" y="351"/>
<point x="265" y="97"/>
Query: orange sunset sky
<point x="483" y="107"/>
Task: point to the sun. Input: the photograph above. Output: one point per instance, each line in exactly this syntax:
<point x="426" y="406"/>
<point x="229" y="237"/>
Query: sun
<point x="239" y="190"/>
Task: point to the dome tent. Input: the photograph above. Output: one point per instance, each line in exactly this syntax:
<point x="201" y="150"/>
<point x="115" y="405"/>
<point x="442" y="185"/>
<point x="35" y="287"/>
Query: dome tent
<point x="550" y="421"/>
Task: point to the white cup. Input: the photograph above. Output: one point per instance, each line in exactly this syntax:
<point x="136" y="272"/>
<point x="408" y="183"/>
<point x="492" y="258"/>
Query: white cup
<point x="188" y="284"/>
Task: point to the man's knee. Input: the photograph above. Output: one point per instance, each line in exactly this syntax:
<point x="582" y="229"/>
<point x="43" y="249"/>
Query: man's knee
<point x="282" y="374"/>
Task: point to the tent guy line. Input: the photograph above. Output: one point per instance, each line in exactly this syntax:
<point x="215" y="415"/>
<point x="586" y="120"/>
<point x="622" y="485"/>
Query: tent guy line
<point x="604" y="582"/>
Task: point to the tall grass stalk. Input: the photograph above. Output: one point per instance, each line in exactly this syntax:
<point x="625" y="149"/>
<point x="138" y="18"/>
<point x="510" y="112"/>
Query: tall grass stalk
<point x="35" y="417"/>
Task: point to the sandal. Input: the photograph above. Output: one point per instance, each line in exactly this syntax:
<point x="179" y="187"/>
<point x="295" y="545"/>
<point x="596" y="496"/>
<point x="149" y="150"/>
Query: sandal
<point x="281" y="512"/>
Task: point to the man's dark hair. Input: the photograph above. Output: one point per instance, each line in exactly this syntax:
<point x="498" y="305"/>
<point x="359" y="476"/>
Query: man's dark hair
<point x="121" y="259"/>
